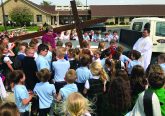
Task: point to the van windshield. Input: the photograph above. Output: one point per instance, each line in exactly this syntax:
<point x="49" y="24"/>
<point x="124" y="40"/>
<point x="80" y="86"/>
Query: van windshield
<point x="160" y="29"/>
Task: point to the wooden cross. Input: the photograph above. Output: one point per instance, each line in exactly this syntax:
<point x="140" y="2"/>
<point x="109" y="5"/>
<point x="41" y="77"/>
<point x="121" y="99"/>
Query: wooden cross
<point x="78" y="25"/>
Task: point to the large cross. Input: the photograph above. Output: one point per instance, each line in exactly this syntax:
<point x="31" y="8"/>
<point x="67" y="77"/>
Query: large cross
<point x="78" y="25"/>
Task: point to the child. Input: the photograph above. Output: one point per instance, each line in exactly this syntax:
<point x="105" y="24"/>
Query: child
<point x="83" y="73"/>
<point x="9" y="109"/>
<point x="97" y="55"/>
<point x="5" y="42"/>
<point x="41" y="61"/>
<point x="115" y="36"/>
<point x="138" y="82"/>
<point x="157" y="82"/>
<point x="21" y="53"/>
<point x="119" y="97"/>
<point x="106" y="37"/>
<point x="97" y="83"/>
<point x="70" y="87"/>
<point x="76" y="105"/>
<point x="30" y="68"/>
<point x="101" y="46"/>
<point x="68" y="45"/>
<point x="74" y="63"/>
<point x="135" y="55"/>
<point x="86" y="37"/>
<point x="45" y="91"/>
<point x="60" y="67"/>
<point x="22" y="97"/>
<point x="49" y="54"/>
<point x="111" y="48"/>
<point x="161" y="61"/>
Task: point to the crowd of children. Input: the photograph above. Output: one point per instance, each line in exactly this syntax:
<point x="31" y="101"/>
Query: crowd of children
<point x="101" y="82"/>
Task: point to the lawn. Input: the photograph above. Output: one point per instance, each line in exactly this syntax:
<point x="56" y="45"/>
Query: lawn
<point x="9" y="28"/>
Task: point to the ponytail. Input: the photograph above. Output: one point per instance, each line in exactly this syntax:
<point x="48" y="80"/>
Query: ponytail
<point x="103" y="75"/>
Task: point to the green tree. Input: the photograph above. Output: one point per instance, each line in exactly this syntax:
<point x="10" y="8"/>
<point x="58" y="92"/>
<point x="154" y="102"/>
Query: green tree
<point x="45" y="3"/>
<point x="21" y="15"/>
<point x="78" y="3"/>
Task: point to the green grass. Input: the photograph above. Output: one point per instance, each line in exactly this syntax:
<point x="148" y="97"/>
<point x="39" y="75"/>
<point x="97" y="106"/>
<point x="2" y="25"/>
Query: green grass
<point x="29" y="28"/>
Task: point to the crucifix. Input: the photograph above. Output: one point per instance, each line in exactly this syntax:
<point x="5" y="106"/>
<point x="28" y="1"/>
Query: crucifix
<point x="78" y="25"/>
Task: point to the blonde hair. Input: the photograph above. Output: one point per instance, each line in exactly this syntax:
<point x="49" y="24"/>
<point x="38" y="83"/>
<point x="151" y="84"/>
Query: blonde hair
<point x="60" y="52"/>
<point x="101" y="45"/>
<point x="76" y="105"/>
<point x="70" y="76"/>
<point x="97" y="70"/>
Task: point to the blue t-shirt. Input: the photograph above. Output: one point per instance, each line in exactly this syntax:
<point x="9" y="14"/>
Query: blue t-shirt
<point x="60" y="68"/>
<point x="45" y="92"/>
<point x="20" y="93"/>
<point x="163" y="66"/>
<point x="83" y="74"/>
<point x="67" y="90"/>
<point x="42" y="63"/>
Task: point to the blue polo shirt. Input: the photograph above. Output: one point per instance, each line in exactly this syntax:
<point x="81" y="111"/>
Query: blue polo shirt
<point x="67" y="90"/>
<point x="45" y="92"/>
<point x="42" y="63"/>
<point x="132" y="64"/>
<point x="124" y="58"/>
<point x="83" y="74"/>
<point x="49" y="57"/>
<point x="163" y="66"/>
<point x="20" y="93"/>
<point x="60" y="68"/>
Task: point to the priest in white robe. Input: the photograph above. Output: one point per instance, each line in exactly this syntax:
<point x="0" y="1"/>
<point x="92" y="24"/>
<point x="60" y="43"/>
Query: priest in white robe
<point x="144" y="46"/>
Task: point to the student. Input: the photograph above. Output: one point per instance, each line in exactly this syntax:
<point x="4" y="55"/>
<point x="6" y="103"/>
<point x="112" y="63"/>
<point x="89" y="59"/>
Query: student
<point x="49" y="54"/>
<point x="97" y="83"/>
<point x="97" y="55"/>
<point x="68" y="45"/>
<point x="29" y="67"/>
<point x="119" y="97"/>
<point x="161" y="61"/>
<point x="135" y="55"/>
<point x="5" y="42"/>
<point x="86" y="37"/>
<point x="60" y="67"/>
<point x="156" y="84"/>
<point x="41" y="61"/>
<point x="83" y="73"/>
<point x="74" y="63"/>
<point x="101" y="46"/>
<point x="76" y="105"/>
<point x="106" y="37"/>
<point x="22" y="97"/>
<point x="138" y="82"/>
<point x="21" y="53"/>
<point x="112" y="48"/>
<point x="70" y="87"/>
<point x="115" y="36"/>
<point x="45" y="91"/>
<point x="9" y="109"/>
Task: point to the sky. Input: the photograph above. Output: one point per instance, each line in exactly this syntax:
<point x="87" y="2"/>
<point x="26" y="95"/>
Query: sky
<point x="104" y="2"/>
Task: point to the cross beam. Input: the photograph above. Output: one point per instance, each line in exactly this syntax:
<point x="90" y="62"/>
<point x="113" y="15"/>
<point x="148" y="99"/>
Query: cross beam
<point x="78" y="25"/>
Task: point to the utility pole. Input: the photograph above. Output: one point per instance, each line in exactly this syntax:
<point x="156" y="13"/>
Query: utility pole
<point x="3" y="14"/>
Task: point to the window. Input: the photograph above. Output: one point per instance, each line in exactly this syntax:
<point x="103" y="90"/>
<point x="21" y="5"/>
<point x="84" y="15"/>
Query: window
<point x="137" y="26"/>
<point x="121" y="19"/>
<point x="160" y="29"/>
<point x="6" y="17"/>
<point x="39" y="18"/>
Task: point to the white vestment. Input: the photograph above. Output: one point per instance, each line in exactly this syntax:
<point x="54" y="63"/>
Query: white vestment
<point x="144" y="46"/>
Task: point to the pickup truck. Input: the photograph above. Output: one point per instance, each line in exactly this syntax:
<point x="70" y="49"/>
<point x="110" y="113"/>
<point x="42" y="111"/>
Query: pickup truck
<point x="157" y="33"/>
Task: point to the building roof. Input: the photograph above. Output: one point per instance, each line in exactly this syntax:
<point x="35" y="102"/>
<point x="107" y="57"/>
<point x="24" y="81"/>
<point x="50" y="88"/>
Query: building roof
<point x="127" y="10"/>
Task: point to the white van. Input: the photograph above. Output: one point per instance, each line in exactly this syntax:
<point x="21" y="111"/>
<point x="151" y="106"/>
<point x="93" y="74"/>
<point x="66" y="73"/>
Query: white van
<point x="157" y="30"/>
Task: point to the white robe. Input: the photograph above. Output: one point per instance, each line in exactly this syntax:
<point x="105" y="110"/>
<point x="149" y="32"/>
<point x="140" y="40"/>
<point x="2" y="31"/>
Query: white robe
<point x="138" y="109"/>
<point x="144" y="46"/>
